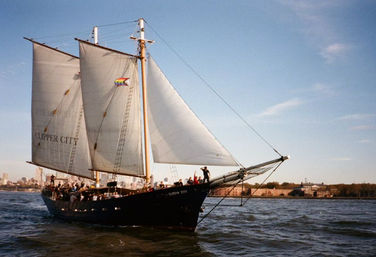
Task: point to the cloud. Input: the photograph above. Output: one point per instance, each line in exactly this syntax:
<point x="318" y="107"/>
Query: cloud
<point x="341" y="159"/>
<point x="363" y="127"/>
<point x="11" y="70"/>
<point x="357" y="116"/>
<point x="364" y="141"/>
<point x="323" y="89"/>
<point x="278" y="108"/>
<point x="317" y="89"/>
<point x="319" y="26"/>
<point x="334" y="51"/>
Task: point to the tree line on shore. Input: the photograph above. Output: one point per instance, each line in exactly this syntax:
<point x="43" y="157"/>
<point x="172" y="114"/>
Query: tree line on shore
<point x="338" y="190"/>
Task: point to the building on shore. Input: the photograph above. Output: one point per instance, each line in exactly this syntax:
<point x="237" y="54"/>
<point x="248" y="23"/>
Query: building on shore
<point x="4" y="179"/>
<point x="309" y="190"/>
<point x="248" y="191"/>
<point x="39" y="176"/>
<point x="312" y="190"/>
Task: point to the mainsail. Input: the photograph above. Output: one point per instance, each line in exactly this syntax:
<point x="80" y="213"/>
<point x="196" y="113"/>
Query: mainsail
<point x="111" y="98"/>
<point x="177" y="135"/>
<point x="59" y="138"/>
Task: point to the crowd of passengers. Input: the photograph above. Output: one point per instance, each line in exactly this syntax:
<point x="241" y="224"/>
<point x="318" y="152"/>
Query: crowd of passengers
<point x="82" y="192"/>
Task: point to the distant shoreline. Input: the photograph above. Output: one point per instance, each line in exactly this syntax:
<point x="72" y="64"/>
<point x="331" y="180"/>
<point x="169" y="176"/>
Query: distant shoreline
<point x="239" y="197"/>
<point x="297" y="197"/>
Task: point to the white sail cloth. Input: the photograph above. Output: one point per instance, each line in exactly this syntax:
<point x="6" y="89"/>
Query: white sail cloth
<point x="59" y="138"/>
<point x="110" y="91"/>
<point x="177" y="135"/>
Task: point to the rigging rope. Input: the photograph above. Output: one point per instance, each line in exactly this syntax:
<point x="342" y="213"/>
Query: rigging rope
<point x="118" y="23"/>
<point x="223" y="198"/>
<point x="262" y="183"/>
<point x="62" y="35"/>
<point x="214" y="91"/>
<point x="64" y="39"/>
<point x="240" y="180"/>
<point x="103" y="117"/>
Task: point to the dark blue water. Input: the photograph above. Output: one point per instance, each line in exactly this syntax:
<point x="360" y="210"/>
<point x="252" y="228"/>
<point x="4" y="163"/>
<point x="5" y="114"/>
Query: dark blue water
<point x="264" y="227"/>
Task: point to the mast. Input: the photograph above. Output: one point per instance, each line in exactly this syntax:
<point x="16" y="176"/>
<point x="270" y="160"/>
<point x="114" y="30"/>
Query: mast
<point x="95" y="36"/>
<point x="142" y="48"/>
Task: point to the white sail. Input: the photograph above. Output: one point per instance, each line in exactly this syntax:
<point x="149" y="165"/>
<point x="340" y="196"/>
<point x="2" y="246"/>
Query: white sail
<point x="177" y="135"/>
<point x="59" y="138"/>
<point x="110" y="92"/>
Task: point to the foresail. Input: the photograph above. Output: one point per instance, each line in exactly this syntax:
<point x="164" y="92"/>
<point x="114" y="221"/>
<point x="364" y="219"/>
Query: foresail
<point x="111" y="100"/>
<point x="177" y="135"/>
<point x="59" y="138"/>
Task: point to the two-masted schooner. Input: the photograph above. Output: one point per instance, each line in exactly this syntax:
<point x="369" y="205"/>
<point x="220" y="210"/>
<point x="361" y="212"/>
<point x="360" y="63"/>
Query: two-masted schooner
<point x="87" y="118"/>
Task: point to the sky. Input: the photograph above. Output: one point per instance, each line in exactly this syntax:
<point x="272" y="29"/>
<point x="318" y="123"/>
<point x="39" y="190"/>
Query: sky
<point x="302" y="73"/>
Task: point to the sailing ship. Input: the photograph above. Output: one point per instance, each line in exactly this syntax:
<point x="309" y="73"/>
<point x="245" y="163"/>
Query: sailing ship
<point x="87" y="118"/>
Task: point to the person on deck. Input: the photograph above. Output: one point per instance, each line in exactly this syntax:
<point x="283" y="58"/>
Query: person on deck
<point x="179" y="183"/>
<point x="52" y="180"/>
<point x="206" y="174"/>
<point x="195" y="181"/>
<point x="190" y="181"/>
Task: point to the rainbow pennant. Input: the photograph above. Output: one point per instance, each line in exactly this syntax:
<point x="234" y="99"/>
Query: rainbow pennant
<point x="121" y="82"/>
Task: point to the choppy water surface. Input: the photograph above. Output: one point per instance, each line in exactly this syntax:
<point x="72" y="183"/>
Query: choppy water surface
<point x="296" y="227"/>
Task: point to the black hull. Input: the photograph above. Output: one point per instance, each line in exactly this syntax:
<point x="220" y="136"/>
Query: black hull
<point x="174" y="207"/>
